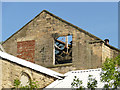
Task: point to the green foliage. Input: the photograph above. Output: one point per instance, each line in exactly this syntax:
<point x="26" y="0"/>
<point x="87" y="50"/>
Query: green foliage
<point x="92" y="82"/>
<point x="110" y="74"/>
<point x="16" y="83"/>
<point x="32" y="85"/>
<point x="77" y="83"/>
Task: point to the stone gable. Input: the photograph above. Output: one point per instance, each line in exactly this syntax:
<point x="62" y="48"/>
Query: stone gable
<point x="87" y="49"/>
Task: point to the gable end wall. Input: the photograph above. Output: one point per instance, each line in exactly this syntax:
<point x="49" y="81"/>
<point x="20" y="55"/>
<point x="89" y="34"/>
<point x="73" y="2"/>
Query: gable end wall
<point x="43" y="29"/>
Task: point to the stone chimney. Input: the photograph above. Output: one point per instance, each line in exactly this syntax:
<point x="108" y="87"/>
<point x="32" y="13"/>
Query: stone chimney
<point x="106" y="41"/>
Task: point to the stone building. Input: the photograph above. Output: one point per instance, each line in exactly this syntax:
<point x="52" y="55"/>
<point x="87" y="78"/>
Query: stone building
<point x="54" y="43"/>
<point x="12" y="68"/>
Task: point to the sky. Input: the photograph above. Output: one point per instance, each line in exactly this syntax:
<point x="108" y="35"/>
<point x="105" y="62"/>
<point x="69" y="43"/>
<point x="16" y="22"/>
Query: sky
<point x="98" y="18"/>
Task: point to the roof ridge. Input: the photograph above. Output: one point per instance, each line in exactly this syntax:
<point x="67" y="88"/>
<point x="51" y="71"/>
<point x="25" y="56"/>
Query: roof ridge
<point x="55" y="17"/>
<point x="23" y="26"/>
<point x="91" y="35"/>
<point x="80" y="29"/>
<point x="71" y="24"/>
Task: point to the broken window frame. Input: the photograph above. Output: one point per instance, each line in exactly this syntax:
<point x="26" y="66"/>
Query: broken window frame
<point x="66" y="52"/>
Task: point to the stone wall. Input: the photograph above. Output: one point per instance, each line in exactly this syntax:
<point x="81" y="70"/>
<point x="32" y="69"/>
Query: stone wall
<point x="44" y="28"/>
<point x="0" y="73"/>
<point x="12" y="71"/>
<point x="96" y="55"/>
<point x="107" y="52"/>
<point x="63" y="68"/>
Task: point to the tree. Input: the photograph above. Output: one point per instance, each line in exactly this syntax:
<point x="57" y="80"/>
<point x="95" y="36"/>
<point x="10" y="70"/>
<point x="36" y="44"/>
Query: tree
<point x="110" y="74"/>
<point x="77" y="83"/>
<point x="92" y="82"/>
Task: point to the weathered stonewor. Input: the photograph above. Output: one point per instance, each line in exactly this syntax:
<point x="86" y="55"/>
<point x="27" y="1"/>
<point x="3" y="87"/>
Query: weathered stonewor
<point x="88" y="51"/>
<point x="10" y="71"/>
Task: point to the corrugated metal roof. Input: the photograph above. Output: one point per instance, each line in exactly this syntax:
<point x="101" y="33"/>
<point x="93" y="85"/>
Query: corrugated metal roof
<point x="82" y="75"/>
<point x="33" y="66"/>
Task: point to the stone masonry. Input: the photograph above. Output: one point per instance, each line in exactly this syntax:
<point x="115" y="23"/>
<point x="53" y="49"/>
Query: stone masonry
<point x="11" y="71"/>
<point x="88" y="51"/>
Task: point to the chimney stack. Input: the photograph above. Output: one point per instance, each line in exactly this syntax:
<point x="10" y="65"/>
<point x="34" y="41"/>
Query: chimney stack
<point x="106" y="41"/>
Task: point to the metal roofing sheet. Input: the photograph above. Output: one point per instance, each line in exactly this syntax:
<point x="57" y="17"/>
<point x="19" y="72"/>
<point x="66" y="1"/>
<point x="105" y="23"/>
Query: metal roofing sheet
<point x="81" y="74"/>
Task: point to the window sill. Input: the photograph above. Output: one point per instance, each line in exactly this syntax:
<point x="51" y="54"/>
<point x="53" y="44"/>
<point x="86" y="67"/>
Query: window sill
<point x="59" y="65"/>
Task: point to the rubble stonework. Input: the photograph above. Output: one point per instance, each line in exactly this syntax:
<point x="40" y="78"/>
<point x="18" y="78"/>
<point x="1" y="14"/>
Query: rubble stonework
<point x="12" y="71"/>
<point x="87" y="49"/>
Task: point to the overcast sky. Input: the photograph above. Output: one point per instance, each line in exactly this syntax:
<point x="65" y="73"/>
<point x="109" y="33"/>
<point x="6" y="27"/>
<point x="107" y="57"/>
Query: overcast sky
<point x="98" y="18"/>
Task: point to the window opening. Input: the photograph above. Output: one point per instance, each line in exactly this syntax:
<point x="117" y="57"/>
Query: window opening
<point x="25" y="79"/>
<point x="63" y="49"/>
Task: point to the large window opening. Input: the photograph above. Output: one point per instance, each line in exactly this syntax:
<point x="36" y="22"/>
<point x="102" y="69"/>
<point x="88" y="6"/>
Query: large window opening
<point x="63" y="49"/>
